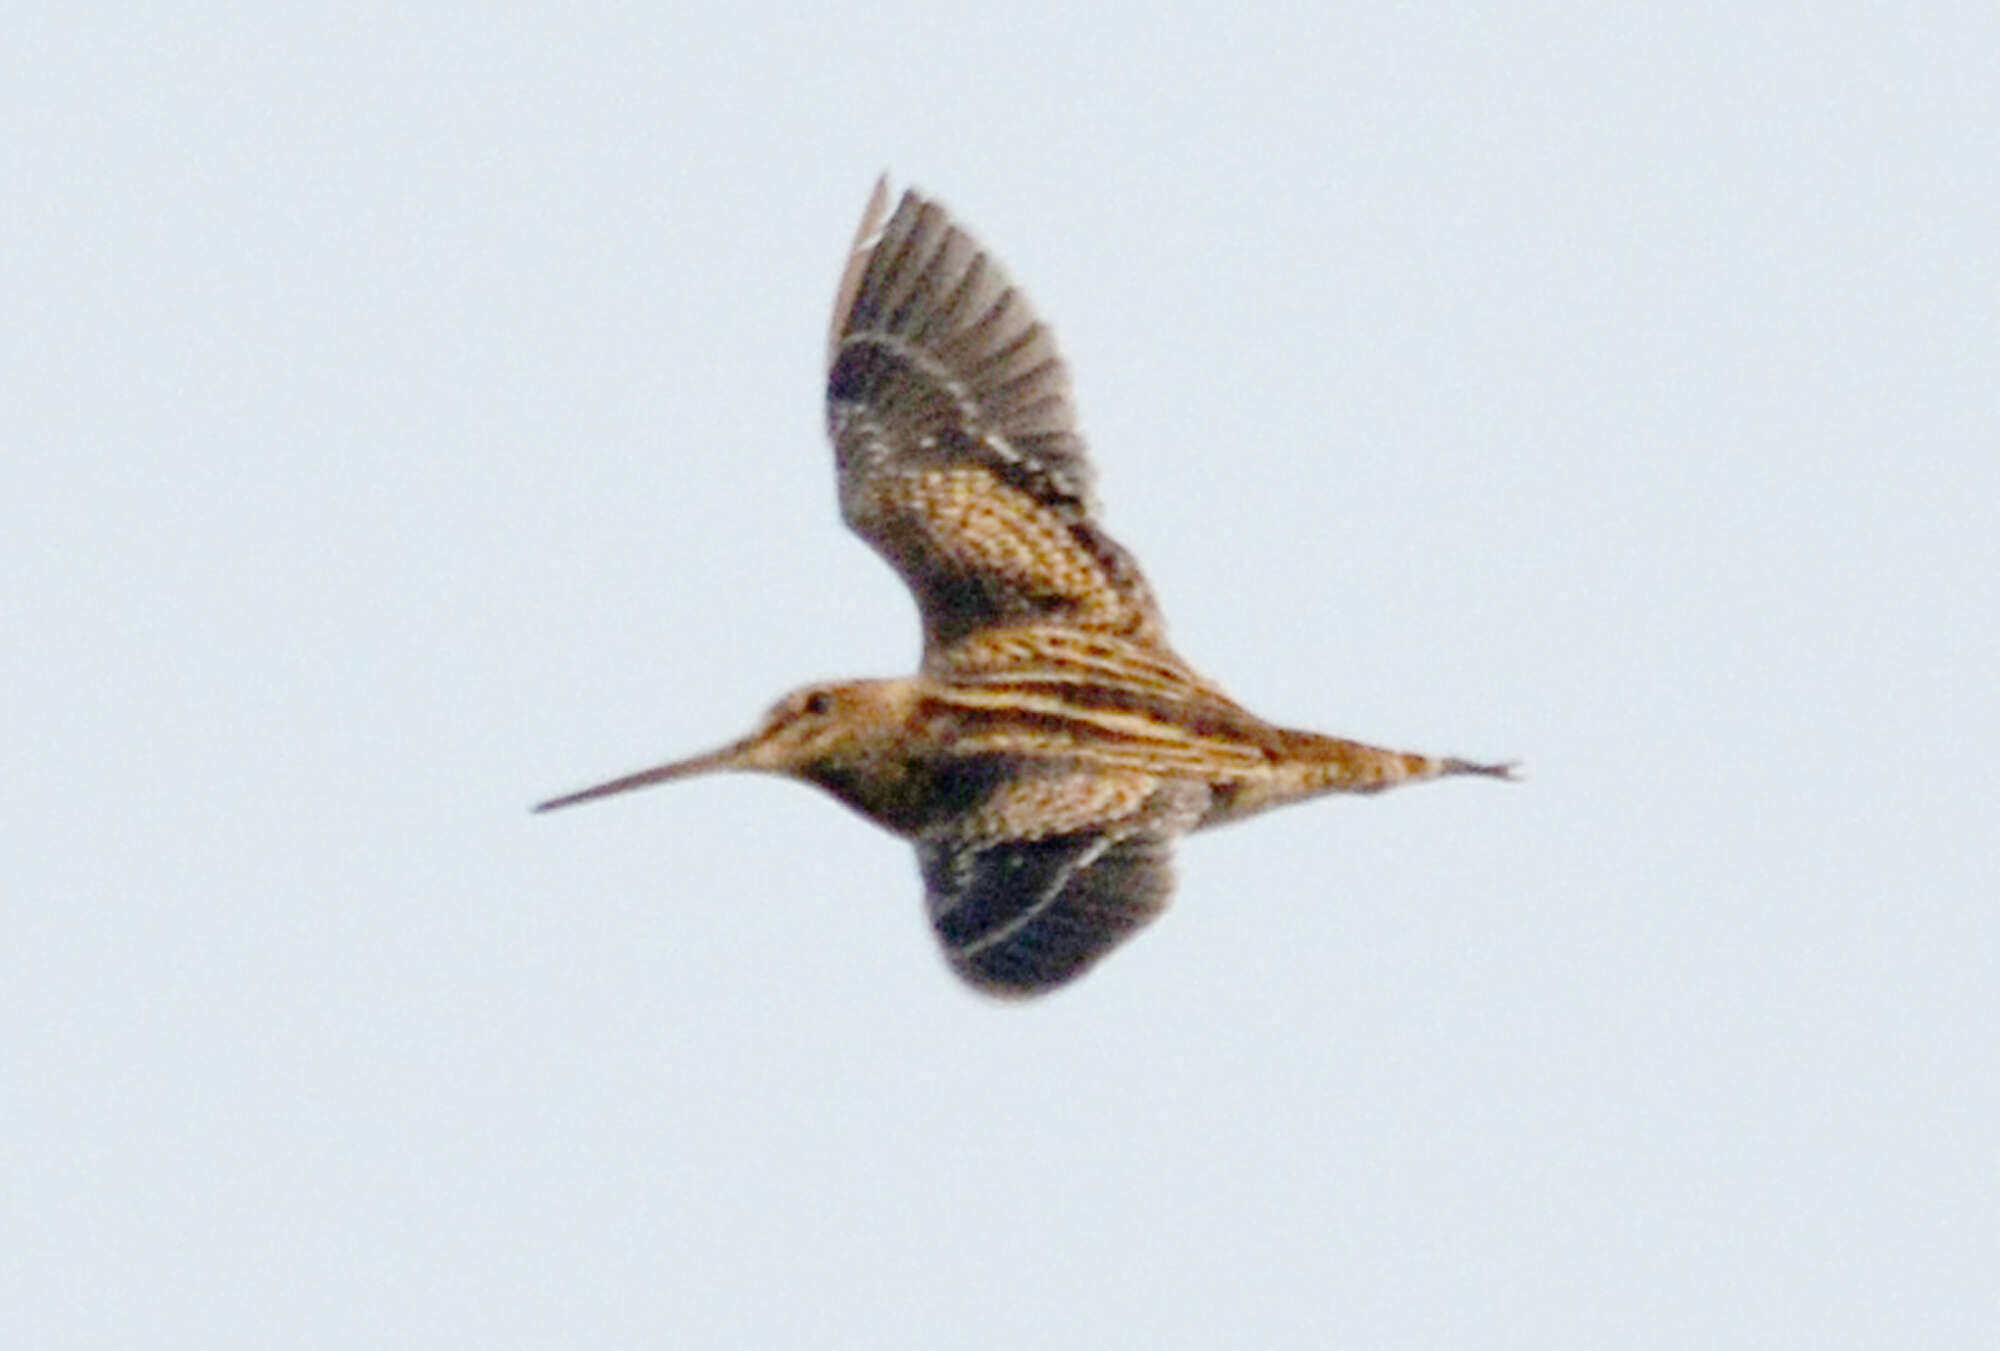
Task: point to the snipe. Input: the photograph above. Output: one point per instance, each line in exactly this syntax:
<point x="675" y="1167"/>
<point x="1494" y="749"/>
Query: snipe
<point x="1052" y="747"/>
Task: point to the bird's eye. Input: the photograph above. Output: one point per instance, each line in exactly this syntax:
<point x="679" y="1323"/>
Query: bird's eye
<point x="819" y="703"/>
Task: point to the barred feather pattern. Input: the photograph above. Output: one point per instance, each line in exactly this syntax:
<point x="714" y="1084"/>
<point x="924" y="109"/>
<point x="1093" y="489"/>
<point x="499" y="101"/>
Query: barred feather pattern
<point x="955" y="440"/>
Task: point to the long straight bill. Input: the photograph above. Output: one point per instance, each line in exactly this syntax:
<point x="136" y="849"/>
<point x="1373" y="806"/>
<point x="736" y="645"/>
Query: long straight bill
<point x="726" y="758"/>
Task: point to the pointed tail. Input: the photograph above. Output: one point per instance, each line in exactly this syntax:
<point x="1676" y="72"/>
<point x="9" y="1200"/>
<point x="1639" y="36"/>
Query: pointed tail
<point x="1310" y="764"/>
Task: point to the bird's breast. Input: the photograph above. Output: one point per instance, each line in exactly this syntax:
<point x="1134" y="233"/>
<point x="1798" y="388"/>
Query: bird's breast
<point x="912" y="793"/>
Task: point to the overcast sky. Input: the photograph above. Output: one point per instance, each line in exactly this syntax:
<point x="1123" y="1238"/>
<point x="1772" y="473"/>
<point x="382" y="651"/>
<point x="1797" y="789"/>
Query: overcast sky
<point x="405" y="417"/>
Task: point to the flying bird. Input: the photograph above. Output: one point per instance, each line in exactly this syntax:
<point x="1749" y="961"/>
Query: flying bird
<point x="1052" y="747"/>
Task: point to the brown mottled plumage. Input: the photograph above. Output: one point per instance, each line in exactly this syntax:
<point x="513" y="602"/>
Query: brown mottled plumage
<point x="1053" y="746"/>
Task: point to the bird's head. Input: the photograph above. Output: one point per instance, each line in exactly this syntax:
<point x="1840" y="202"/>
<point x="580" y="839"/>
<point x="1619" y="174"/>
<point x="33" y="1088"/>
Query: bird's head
<point x="819" y="733"/>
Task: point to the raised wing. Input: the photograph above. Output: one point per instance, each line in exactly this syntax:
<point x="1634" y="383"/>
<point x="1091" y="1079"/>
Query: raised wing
<point x="955" y="441"/>
<point x="1019" y="915"/>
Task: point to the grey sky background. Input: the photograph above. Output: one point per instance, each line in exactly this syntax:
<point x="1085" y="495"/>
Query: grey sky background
<point x="409" y="416"/>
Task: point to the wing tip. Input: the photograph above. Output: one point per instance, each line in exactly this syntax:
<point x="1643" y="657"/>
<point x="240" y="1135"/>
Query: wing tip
<point x="867" y="234"/>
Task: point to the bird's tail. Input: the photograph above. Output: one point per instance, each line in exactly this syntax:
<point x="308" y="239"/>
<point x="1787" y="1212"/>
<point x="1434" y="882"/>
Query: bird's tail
<point x="1310" y="764"/>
